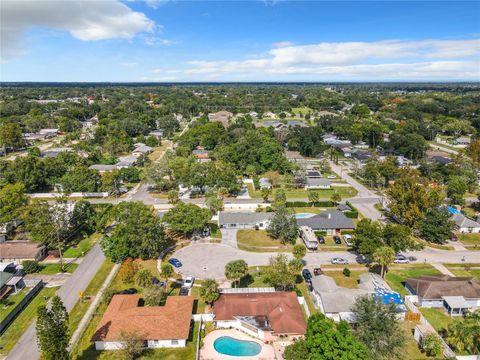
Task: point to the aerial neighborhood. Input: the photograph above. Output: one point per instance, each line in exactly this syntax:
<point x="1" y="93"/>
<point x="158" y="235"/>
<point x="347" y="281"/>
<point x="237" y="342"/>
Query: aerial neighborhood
<point x="224" y="221"/>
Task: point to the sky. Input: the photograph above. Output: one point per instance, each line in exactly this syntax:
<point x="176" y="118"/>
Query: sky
<point x="240" y="41"/>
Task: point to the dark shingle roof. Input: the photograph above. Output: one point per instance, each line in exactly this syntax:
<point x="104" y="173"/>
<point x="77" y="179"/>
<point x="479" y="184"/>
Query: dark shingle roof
<point x="434" y="287"/>
<point x="329" y="219"/>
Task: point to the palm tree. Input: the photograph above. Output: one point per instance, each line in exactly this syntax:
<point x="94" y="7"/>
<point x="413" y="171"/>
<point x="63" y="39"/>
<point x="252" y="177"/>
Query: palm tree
<point x="210" y="291"/>
<point x="235" y="270"/>
<point x="336" y="198"/>
<point x="384" y="256"/>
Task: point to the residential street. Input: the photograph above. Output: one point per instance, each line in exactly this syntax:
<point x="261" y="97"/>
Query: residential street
<point x="26" y="347"/>
<point x="208" y="260"/>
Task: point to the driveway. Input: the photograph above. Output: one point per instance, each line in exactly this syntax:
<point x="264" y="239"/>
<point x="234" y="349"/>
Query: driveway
<point x="229" y="237"/>
<point x="208" y="260"/>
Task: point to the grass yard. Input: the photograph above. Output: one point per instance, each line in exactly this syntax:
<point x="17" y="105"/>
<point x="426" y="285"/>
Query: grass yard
<point x="13" y="333"/>
<point x="302" y="110"/>
<point x="350" y="282"/>
<point x="303" y="288"/>
<point x="412" y="351"/>
<point x="464" y="269"/>
<point x="432" y="245"/>
<point x="470" y="240"/>
<point x="310" y="209"/>
<point x="396" y="278"/>
<point x="254" y="278"/>
<point x="10" y="302"/>
<point x="259" y="241"/>
<point x="437" y="318"/>
<point x="157" y="152"/>
<point x="82" y="305"/>
<point x="50" y="269"/>
<point x="345" y="192"/>
<point x="82" y="247"/>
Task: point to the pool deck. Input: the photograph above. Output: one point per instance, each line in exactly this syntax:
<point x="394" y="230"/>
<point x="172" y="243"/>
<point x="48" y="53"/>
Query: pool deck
<point x="208" y="352"/>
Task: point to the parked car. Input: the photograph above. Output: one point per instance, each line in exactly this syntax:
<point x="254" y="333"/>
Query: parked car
<point x="183" y="291"/>
<point x="188" y="282"/>
<point x="175" y="262"/>
<point x="321" y="239"/>
<point x="348" y="239"/>
<point x="331" y="177"/>
<point x="307" y="275"/>
<point x="159" y="283"/>
<point x="337" y="239"/>
<point x="401" y="259"/>
<point x="129" y="291"/>
<point x="339" y="260"/>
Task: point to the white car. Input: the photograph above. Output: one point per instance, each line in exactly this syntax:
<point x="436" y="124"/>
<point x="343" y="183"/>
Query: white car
<point x="339" y="260"/>
<point x="401" y="259"/>
<point x="188" y="282"/>
<point x="348" y="239"/>
<point x="331" y="177"/>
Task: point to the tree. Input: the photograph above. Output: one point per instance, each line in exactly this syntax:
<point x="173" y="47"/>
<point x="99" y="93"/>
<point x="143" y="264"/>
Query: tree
<point x="11" y="136"/>
<point x="279" y="199"/>
<point x="12" y="198"/>
<point x="173" y="197"/>
<point x="167" y="271"/>
<point x="377" y="327"/>
<point x="463" y="335"/>
<point x="128" y="270"/>
<point x="295" y="265"/>
<point x="336" y="198"/>
<point x="186" y="218"/>
<point x="456" y="189"/>
<point x="84" y="216"/>
<point x="214" y="203"/>
<point x="132" y="344"/>
<point x="80" y="178"/>
<point x="153" y="296"/>
<point x="138" y="233"/>
<point x="437" y="225"/>
<point x="313" y="197"/>
<point x="279" y="274"/>
<point x="283" y="226"/>
<point x="326" y="340"/>
<point x="52" y="330"/>
<point x="384" y="256"/>
<point x="432" y="345"/>
<point x="265" y="194"/>
<point x="31" y="266"/>
<point x="398" y="237"/>
<point x="210" y="291"/>
<point x="368" y="236"/>
<point x="299" y="251"/>
<point x="235" y="270"/>
<point x="112" y="182"/>
<point x="143" y="278"/>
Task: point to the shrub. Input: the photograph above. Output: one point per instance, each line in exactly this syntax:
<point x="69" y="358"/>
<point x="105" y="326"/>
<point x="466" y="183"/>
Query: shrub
<point x="127" y="270"/>
<point x="346" y="272"/>
<point x="308" y="204"/>
<point x="143" y="278"/>
<point x="153" y="296"/>
<point x="320" y="233"/>
<point x="351" y="214"/>
<point x="107" y="296"/>
<point x="30" y="266"/>
<point x="432" y="345"/>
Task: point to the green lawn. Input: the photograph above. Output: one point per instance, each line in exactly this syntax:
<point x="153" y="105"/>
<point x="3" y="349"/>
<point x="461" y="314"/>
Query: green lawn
<point x="82" y="247"/>
<point x="254" y="278"/>
<point x="259" y="241"/>
<point x="50" y="269"/>
<point x="82" y="305"/>
<point x="464" y="270"/>
<point x="10" y="337"/>
<point x="303" y="288"/>
<point x="437" y="318"/>
<point x="412" y="350"/>
<point x="350" y="282"/>
<point x="345" y="192"/>
<point x="310" y="209"/>
<point x="302" y="110"/>
<point x="396" y="278"/>
<point x="470" y="239"/>
<point x="7" y="304"/>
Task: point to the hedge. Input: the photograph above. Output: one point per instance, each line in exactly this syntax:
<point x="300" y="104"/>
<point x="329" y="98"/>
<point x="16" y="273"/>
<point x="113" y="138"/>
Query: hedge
<point x="351" y="214"/>
<point x="320" y="233"/>
<point x="327" y="203"/>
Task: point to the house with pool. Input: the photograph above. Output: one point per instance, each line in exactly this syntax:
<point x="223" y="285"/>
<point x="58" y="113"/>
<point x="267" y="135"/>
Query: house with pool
<point x="159" y="326"/>
<point x="264" y="315"/>
<point x="244" y="220"/>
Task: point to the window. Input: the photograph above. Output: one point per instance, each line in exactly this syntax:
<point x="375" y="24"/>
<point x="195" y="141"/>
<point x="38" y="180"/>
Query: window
<point x="174" y="342"/>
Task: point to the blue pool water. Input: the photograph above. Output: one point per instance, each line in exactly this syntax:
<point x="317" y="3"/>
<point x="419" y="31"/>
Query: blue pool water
<point x="229" y="346"/>
<point x="303" y="215"/>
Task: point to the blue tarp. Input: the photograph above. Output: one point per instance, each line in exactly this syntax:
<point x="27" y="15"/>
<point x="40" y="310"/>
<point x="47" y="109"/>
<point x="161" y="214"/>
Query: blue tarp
<point x="452" y="210"/>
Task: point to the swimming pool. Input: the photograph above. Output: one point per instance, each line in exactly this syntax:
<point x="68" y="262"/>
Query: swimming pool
<point x="303" y="215"/>
<point x="227" y="345"/>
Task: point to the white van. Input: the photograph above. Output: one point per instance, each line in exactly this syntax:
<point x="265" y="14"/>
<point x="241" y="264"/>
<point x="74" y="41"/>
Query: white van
<point x="348" y="239"/>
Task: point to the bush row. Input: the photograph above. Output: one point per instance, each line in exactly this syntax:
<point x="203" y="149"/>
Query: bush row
<point x="326" y="203"/>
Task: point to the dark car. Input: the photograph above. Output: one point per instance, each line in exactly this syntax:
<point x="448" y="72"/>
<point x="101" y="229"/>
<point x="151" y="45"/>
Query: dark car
<point x="337" y="239"/>
<point x="183" y="291"/>
<point x="158" y="282"/>
<point x="175" y="262"/>
<point x="129" y="291"/>
<point x="321" y="239"/>
<point x="307" y="275"/>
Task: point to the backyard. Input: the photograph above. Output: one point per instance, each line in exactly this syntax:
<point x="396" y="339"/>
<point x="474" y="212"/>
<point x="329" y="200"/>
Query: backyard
<point x="437" y="318"/>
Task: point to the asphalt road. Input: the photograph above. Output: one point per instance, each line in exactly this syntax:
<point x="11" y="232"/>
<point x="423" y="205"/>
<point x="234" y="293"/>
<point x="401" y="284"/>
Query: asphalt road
<point x="208" y="260"/>
<point x="26" y="348"/>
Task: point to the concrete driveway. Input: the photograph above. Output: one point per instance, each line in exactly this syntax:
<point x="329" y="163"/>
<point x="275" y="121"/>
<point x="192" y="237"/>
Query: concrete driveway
<point x="229" y="237"/>
<point x="208" y="260"/>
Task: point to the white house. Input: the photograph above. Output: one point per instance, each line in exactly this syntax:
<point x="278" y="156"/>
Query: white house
<point x="264" y="183"/>
<point x="159" y="326"/>
<point x="464" y="224"/>
<point x="316" y="183"/>
<point x="244" y="220"/>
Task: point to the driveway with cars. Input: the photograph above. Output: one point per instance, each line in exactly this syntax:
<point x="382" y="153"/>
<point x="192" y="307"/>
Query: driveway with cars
<point x="208" y="260"/>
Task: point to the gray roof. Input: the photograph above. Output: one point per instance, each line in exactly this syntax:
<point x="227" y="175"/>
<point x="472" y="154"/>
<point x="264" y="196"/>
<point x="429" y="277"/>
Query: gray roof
<point x="264" y="182"/>
<point x="243" y="217"/>
<point x="456" y="302"/>
<point x="329" y="219"/>
<point x="318" y="182"/>
<point x="143" y="149"/>
<point x="344" y="207"/>
<point x="127" y="160"/>
<point x="102" y="167"/>
<point x="463" y="222"/>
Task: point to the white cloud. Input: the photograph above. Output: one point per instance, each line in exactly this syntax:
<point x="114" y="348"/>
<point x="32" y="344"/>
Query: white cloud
<point x="129" y="64"/>
<point x="392" y="59"/>
<point x="281" y="44"/>
<point x="85" y="20"/>
<point x="155" y="4"/>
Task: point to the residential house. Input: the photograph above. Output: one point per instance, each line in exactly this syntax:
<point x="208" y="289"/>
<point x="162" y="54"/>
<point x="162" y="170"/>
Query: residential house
<point x="294" y="123"/>
<point x="265" y="183"/>
<point x="277" y="125"/>
<point x="294" y="156"/>
<point x="221" y="116"/>
<point x="244" y="220"/>
<point x="48" y="133"/>
<point x="19" y="250"/>
<point x="344" y="208"/>
<point x="330" y="221"/>
<point x="264" y="315"/>
<point x="464" y="224"/>
<point x="156" y="133"/>
<point x="440" y="159"/>
<point x="201" y="154"/>
<point x="270" y="115"/>
<point x="314" y="174"/>
<point x="11" y="279"/>
<point x="317" y="183"/>
<point x="141" y="149"/>
<point x="54" y="152"/>
<point x="454" y="294"/>
<point x="253" y="114"/>
<point x="463" y="141"/>
<point x="165" y="326"/>
<point x="101" y="168"/>
<point x="126" y="161"/>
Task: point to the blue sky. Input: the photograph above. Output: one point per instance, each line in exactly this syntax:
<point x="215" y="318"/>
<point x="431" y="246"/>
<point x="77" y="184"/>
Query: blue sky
<point x="111" y="40"/>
